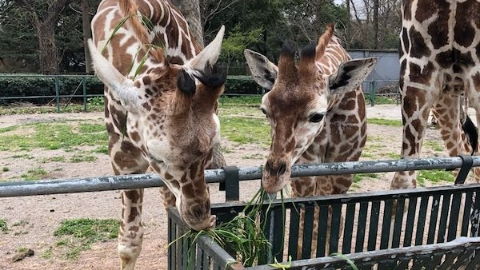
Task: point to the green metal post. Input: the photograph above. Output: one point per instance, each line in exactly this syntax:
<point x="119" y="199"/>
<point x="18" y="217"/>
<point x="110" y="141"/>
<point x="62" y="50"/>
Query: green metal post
<point x="84" y="94"/>
<point x="57" y="94"/>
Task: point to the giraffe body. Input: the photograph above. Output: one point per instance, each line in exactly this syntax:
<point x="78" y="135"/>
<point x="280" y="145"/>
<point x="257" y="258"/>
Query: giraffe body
<point x="440" y="65"/>
<point x="160" y="115"/>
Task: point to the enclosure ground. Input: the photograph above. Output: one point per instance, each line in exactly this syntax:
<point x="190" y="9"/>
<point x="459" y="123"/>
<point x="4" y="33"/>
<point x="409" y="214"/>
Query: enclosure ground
<point x="29" y="149"/>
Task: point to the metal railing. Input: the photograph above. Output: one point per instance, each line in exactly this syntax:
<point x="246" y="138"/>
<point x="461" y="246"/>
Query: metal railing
<point x="370" y="88"/>
<point x="230" y="176"/>
<point x="56" y="83"/>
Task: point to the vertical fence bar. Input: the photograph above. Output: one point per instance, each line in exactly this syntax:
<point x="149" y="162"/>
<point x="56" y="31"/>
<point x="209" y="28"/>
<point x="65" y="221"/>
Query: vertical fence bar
<point x="57" y="94"/>
<point x="307" y="232"/>
<point x="386" y="223"/>
<point x="433" y="219"/>
<point x="397" y="227"/>
<point x="454" y="214"/>
<point x="293" y="233"/>
<point x="443" y="218"/>
<point x="361" y="227"/>
<point x="467" y="208"/>
<point x="335" y="227"/>
<point x="84" y="85"/>
<point x="278" y="237"/>
<point x="348" y="230"/>
<point x="322" y="230"/>
<point x="422" y="215"/>
<point x="373" y="227"/>
<point x="412" y="208"/>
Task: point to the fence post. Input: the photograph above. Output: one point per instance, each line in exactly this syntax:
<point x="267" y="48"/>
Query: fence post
<point x="231" y="184"/>
<point x="372" y="93"/>
<point x="84" y="94"/>
<point x="57" y="93"/>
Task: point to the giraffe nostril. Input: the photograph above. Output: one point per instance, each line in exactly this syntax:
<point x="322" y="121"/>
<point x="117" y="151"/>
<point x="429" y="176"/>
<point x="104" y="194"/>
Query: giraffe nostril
<point x="281" y="168"/>
<point x="269" y="166"/>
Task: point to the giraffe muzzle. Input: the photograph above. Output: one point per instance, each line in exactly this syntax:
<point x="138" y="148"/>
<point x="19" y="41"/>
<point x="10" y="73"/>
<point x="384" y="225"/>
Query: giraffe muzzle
<point x="275" y="175"/>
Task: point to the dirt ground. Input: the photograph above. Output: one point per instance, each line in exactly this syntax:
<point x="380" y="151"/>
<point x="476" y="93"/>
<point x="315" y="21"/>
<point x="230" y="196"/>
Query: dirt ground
<point x="39" y="216"/>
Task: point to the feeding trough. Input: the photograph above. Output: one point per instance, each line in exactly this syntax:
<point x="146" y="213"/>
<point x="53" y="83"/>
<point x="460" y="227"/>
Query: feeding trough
<point x="424" y="228"/>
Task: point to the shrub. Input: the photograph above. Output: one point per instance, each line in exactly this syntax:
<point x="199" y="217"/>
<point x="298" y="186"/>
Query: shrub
<point x="34" y="85"/>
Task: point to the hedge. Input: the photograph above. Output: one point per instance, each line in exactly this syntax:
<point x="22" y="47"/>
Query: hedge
<point x="28" y="85"/>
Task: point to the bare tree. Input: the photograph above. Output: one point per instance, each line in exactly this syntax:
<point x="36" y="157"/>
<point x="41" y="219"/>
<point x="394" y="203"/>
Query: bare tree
<point x="45" y="29"/>
<point x="211" y="8"/>
<point x="87" y="33"/>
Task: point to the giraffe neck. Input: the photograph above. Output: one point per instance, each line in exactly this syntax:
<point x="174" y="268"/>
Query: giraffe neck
<point x="170" y="29"/>
<point x="334" y="55"/>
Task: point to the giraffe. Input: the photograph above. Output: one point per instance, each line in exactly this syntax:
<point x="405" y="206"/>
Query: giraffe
<point x="159" y="115"/>
<point x="316" y="110"/>
<point x="440" y="63"/>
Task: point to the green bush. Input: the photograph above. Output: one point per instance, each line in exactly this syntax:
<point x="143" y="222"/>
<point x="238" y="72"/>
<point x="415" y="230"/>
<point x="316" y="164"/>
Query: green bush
<point x="30" y="85"/>
<point x="17" y="86"/>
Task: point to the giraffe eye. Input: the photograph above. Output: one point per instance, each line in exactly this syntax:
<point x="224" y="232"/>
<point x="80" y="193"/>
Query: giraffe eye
<point x="263" y="111"/>
<point x="316" y="117"/>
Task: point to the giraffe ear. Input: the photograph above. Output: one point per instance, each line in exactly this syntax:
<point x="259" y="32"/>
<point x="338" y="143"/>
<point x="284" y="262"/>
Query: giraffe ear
<point x="263" y="71"/>
<point x="351" y="74"/>
<point x="122" y="87"/>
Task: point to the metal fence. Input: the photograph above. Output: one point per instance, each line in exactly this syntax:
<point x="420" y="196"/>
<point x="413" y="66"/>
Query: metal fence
<point x="229" y="177"/>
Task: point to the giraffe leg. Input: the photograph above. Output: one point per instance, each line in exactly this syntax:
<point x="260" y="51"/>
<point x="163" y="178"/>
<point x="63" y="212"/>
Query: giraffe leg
<point x="127" y="159"/>
<point x="131" y="230"/>
<point x="448" y="113"/>
<point x="473" y="94"/>
<point x="417" y="101"/>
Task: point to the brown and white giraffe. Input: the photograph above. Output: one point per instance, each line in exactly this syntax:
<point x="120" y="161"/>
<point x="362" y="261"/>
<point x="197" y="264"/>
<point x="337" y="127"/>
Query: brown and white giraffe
<point x="316" y="110"/>
<point x="161" y="118"/>
<point x="440" y="63"/>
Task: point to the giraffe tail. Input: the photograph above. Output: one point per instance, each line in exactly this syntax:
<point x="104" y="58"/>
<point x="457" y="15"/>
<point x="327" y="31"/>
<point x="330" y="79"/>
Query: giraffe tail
<point x="472" y="133"/>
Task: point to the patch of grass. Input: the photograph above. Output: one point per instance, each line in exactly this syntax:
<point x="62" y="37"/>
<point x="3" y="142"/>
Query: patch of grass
<point x="244" y="130"/>
<point x="434" y="145"/>
<point x="80" y="234"/>
<point x="5" y="169"/>
<point x="7" y="129"/>
<point x="435" y="176"/>
<point x="253" y="156"/>
<point x="54" y="136"/>
<point x="71" y="108"/>
<point x="384" y="122"/>
<point x="22" y="249"/>
<point x="23" y="156"/>
<point x="360" y="176"/>
<point x="53" y="159"/>
<point x="3" y="225"/>
<point x="103" y="149"/>
<point x="393" y="155"/>
<point x="34" y="174"/>
<point x="82" y="158"/>
<point x="241" y="100"/>
<point x="21" y="223"/>
<point x="47" y="254"/>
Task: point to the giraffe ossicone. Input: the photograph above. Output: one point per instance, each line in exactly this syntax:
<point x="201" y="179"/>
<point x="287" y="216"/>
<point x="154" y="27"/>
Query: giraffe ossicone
<point x="160" y="108"/>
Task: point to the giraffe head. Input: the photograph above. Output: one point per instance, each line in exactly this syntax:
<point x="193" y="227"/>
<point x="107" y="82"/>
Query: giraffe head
<point x="171" y="118"/>
<point x="300" y="96"/>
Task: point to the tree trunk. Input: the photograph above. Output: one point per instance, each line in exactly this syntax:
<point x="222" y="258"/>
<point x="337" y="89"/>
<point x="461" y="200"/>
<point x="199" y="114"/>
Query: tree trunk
<point x="191" y="11"/>
<point x="375" y="24"/>
<point x="87" y="33"/>
<point x="48" y="54"/>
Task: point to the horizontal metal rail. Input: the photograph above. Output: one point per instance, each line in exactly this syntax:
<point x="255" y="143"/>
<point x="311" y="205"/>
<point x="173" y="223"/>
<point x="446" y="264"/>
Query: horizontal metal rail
<point x="104" y="183"/>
